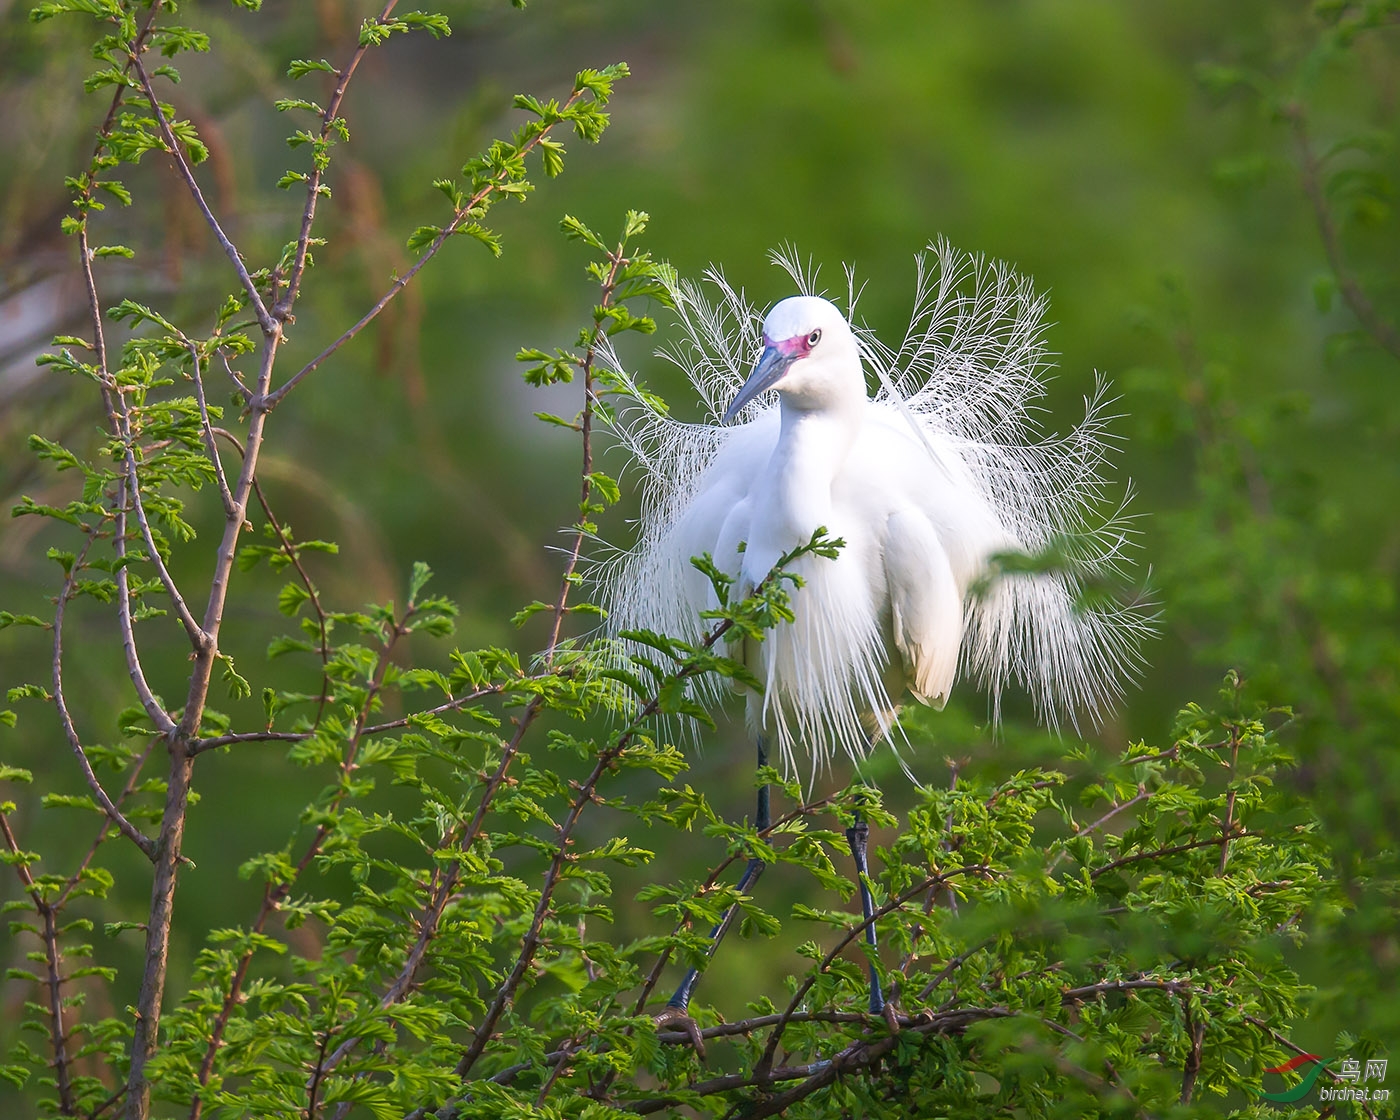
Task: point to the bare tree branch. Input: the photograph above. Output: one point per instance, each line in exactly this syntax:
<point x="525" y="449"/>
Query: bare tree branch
<point x="1310" y="168"/>
<point x="129" y="830"/>
<point x="208" y="429"/>
<point x="172" y="145"/>
<point x="461" y="217"/>
<point x="153" y="707"/>
<point x="1142" y="795"/>
<point x="274" y="896"/>
<point x="313" y="187"/>
<point x="1158" y="853"/>
<point x="935" y="880"/>
<point x="1196" y="1032"/>
<point x="53" y="979"/>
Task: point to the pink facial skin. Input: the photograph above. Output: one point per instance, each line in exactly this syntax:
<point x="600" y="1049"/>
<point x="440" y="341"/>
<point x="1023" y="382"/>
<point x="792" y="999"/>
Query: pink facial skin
<point x="793" y="348"/>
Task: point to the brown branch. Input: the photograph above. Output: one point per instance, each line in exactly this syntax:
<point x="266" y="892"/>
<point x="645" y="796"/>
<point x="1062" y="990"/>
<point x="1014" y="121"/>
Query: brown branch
<point x="319" y="1072"/>
<point x="1288" y="1044"/>
<point x="662" y="958"/>
<point x="53" y="964"/>
<point x="1310" y="169"/>
<point x="101" y="836"/>
<point x="129" y="830"/>
<point x="127" y="626"/>
<point x="952" y="966"/>
<point x="113" y="400"/>
<point x="208" y="429"/>
<point x="606" y="758"/>
<point x="1228" y="826"/>
<point x="282" y="308"/>
<point x="444" y="881"/>
<point x="200" y="746"/>
<point x="144" y="1040"/>
<point x="448" y="706"/>
<point x="233" y="376"/>
<point x="1196" y="1032"/>
<point x="115" y="1098"/>
<point x="269" y="325"/>
<point x="615" y="261"/>
<point x="1141" y="795"/>
<point x="818" y="1075"/>
<point x="270" y="401"/>
<point x="48" y="912"/>
<point x="314" y="596"/>
<point x="274" y="896"/>
<point x="1157" y="853"/>
<point x="1103" y="987"/>
<point x="860" y="1053"/>
<point x="857" y="1054"/>
<point x="933" y="881"/>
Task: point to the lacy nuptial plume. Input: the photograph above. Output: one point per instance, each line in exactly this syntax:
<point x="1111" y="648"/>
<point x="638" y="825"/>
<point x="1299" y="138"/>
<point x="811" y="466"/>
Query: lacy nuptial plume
<point x="976" y="545"/>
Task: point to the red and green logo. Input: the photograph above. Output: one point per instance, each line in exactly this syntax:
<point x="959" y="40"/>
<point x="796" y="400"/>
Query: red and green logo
<point x="1316" y="1066"/>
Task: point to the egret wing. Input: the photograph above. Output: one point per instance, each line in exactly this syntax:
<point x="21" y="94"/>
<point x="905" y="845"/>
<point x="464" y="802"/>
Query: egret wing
<point x="925" y="605"/>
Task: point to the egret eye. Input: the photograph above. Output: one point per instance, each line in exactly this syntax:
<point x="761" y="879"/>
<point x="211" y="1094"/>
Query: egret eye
<point x="814" y="337"/>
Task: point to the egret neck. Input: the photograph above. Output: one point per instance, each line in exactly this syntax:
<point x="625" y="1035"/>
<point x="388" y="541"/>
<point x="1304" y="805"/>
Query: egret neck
<point x="793" y="499"/>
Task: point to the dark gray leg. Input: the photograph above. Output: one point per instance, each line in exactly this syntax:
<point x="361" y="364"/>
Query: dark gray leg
<point x="858" y="836"/>
<point x="763" y="819"/>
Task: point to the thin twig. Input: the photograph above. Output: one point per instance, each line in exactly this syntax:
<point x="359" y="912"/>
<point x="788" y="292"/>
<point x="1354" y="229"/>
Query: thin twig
<point x="662" y="958"/>
<point x="208" y="429"/>
<point x="952" y="966"/>
<point x="233" y="376"/>
<point x="1157" y="853"/>
<point x="314" y="1089"/>
<point x="313" y="186"/>
<point x="937" y="879"/>
<point x="1142" y="795"/>
<point x="1310" y="169"/>
<point x="606" y="758"/>
<point x="274" y="896"/>
<point x="97" y="841"/>
<point x="126" y="625"/>
<point x="1196" y="1032"/>
<point x="172" y="145"/>
<point x="53" y="964"/>
<point x="1228" y="826"/>
<point x="444" y="881"/>
<point x="129" y="830"/>
<point x="461" y="217"/>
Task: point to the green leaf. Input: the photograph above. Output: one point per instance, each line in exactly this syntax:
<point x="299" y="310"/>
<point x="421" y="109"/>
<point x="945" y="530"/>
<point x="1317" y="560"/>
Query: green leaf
<point x="300" y="67"/>
<point x="238" y="686"/>
<point x="8" y="619"/>
<point x="575" y="230"/>
<point x="291" y="597"/>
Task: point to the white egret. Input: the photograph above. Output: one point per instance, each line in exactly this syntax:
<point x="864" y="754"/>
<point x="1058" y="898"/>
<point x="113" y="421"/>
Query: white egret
<point x="934" y="484"/>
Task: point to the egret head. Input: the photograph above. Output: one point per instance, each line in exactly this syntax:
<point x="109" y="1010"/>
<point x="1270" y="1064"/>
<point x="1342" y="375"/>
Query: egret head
<point x="809" y="355"/>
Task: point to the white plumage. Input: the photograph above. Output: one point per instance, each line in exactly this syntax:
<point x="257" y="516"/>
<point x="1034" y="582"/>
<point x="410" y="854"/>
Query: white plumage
<point x="936" y="485"/>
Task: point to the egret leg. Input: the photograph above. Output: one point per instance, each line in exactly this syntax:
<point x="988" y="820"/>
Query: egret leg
<point x="858" y="836"/>
<point x="680" y="1001"/>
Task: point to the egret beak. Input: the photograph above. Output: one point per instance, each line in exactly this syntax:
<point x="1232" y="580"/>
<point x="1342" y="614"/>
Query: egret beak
<point x="770" y="369"/>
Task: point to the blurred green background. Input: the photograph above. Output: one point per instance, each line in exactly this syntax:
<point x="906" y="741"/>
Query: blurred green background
<point x="1142" y="161"/>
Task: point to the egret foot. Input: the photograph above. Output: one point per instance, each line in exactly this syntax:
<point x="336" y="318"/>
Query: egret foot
<point x="678" y="1017"/>
<point x="858" y="836"/>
